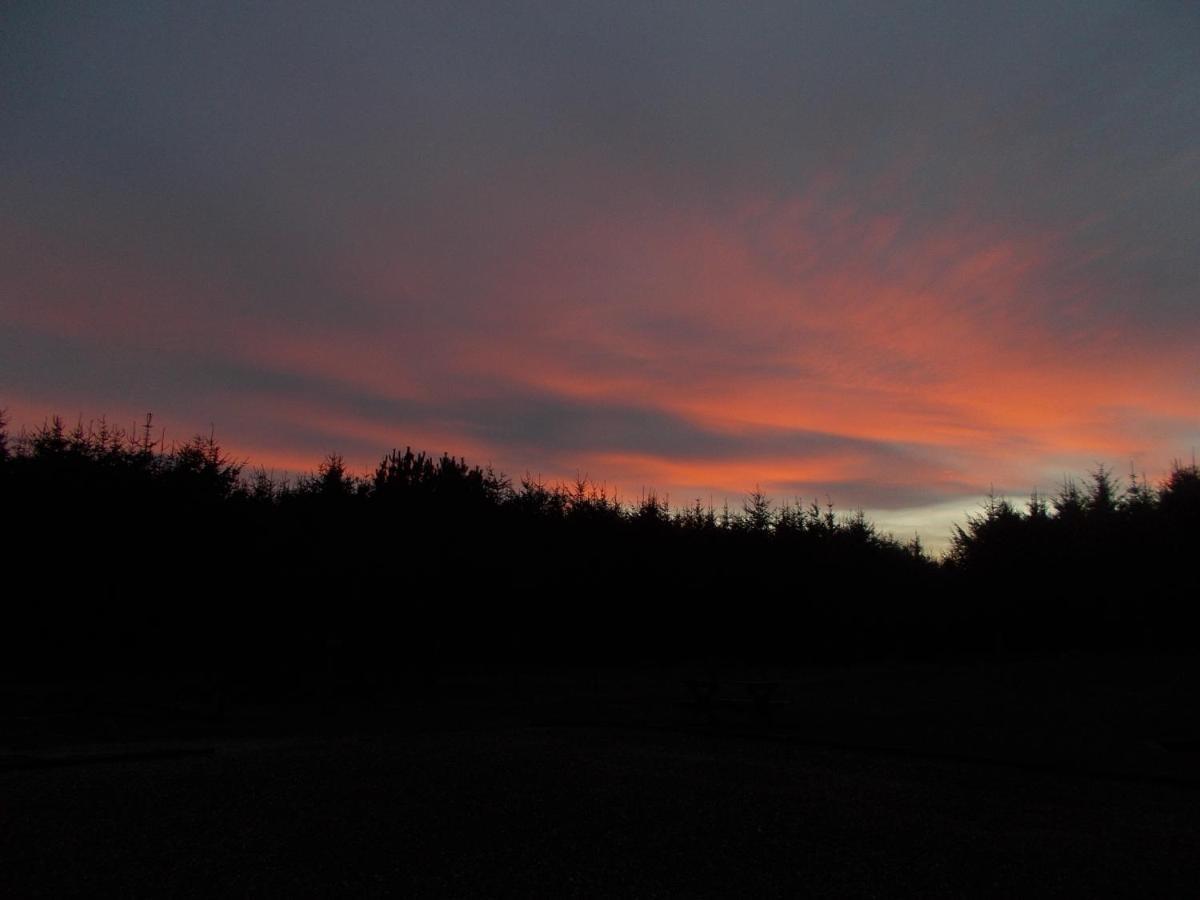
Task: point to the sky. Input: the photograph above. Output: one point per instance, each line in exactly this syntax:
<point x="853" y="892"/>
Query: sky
<point x="893" y="255"/>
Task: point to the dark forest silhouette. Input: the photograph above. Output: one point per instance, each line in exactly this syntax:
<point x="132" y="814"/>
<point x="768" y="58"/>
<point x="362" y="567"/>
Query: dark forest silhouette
<point x="130" y="557"/>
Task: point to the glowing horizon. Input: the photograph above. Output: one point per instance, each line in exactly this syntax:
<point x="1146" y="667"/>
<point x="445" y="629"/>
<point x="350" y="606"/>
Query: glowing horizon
<point x="892" y="259"/>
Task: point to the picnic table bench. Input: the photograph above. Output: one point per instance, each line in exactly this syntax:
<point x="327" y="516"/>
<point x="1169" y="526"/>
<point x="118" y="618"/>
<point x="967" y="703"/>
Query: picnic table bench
<point x="759" y="697"/>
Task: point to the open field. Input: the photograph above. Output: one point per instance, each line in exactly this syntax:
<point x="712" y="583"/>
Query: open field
<point x="1007" y="779"/>
<point x="588" y="812"/>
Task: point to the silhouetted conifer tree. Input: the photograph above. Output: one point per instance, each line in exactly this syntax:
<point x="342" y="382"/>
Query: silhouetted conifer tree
<point x="756" y="511"/>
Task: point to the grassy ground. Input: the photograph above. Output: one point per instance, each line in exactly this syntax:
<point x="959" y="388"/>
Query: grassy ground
<point x="1006" y="778"/>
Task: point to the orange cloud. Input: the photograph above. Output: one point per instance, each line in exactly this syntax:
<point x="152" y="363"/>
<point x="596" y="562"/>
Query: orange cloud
<point x="917" y="357"/>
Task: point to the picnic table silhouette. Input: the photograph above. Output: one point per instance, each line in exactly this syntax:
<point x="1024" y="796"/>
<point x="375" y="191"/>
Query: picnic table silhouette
<point x="759" y="697"/>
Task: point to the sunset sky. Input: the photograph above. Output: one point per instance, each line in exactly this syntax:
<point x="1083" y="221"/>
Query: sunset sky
<point x="888" y="253"/>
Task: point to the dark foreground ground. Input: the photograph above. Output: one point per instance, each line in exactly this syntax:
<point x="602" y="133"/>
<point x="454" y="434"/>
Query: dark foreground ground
<point x="1064" y="776"/>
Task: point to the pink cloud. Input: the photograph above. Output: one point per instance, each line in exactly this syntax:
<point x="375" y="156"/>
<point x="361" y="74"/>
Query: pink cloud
<point x="983" y="354"/>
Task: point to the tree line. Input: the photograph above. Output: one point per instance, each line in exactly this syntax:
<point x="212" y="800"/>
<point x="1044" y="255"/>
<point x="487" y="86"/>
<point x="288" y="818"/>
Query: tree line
<point x="130" y="555"/>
